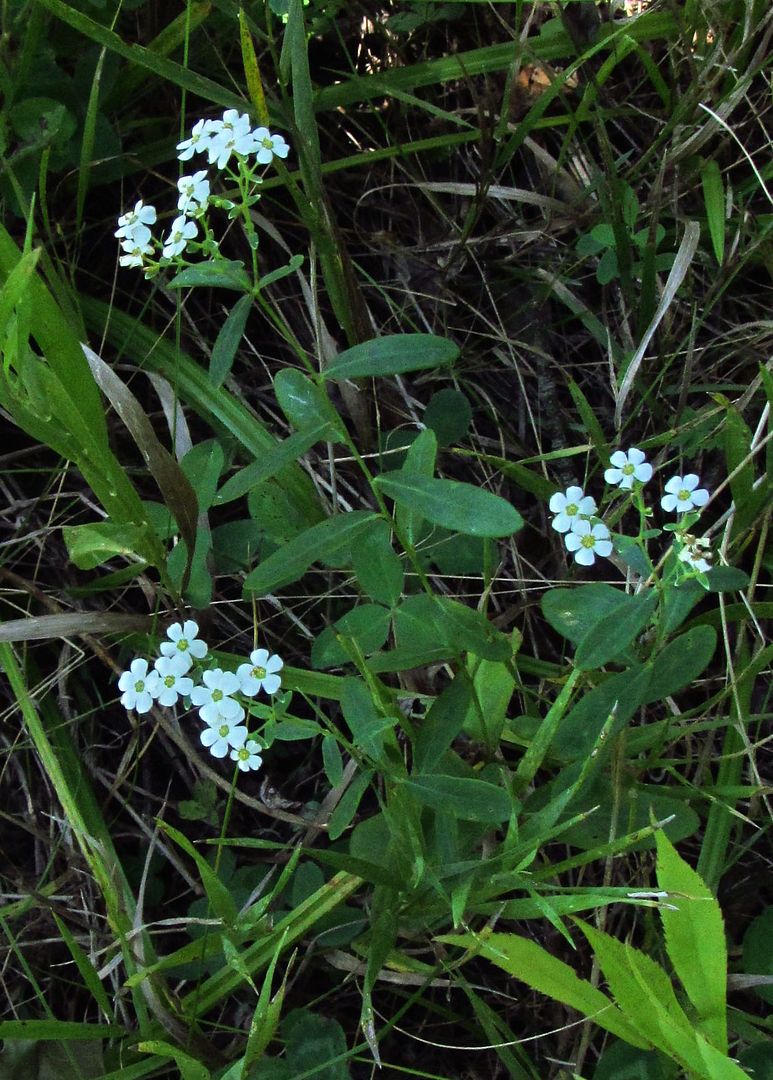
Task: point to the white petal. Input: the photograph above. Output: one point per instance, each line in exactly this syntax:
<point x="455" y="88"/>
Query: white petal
<point x="585" y="556"/>
<point x="636" y="456"/>
<point x="271" y="684"/>
<point x="619" y="459"/>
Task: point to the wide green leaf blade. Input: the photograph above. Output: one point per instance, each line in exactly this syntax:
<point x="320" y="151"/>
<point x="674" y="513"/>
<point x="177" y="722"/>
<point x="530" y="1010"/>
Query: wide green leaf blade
<point x="695" y="940"/>
<point x="453" y="504"/>
<point x="573" y="612"/>
<point x="681" y="662"/>
<point x="304" y="403"/>
<point x="227" y="274"/>
<point x="465" y="798"/>
<point x="610" y="638"/>
<point x="295" y="557"/>
<point x="442" y="723"/>
<point x="533" y="965"/>
<point x="271" y="462"/>
<point x="393" y="355"/>
<point x="377" y="565"/>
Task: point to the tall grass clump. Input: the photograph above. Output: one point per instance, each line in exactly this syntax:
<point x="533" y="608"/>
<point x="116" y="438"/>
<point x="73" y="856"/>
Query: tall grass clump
<point x="386" y="540"/>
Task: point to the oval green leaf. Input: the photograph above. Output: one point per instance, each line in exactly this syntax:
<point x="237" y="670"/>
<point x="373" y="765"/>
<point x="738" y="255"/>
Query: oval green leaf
<point x="610" y="638"/>
<point x="681" y="662"/>
<point x="453" y="504"/>
<point x="392" y="355"/>
<point x="214" y="275"/>
<point x="377" y="565"/>
<point x="305" y="404"/>
<point x="294" y="558"/>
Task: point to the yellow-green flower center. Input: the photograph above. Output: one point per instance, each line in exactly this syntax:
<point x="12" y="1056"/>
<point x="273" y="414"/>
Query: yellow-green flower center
<point x="571" y="509"/>
<point x="683" y="495"/>
<point x="169" y="681"/>
<point x="627" y="470"/>
<point x="139" y="686"/>
<point x="217" y="695"/>
<point x="244" y="754"/>
<point x="258" y="673"/>
<point x="182" y="644"/>
<point x="223" y="730"/>
<point x="266" y="141"/>
<point x="588" y="541"/>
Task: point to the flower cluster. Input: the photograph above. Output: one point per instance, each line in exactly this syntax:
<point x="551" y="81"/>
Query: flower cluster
<point x="586" y="535"/>
<point x="221" y="140"/>
<point x="574" y="512"/>
<point x="215" y="696"/>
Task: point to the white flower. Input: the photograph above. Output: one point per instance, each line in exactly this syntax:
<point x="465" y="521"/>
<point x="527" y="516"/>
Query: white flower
<point x="224" y="734"/>
<point x="139" y="686"/>
<point x="247" y="756"/>
<point x="198" y="142"/>
<point x="194" y="192"/>
<point x="684" y="494"/>
<point x="628" y="466"/>
<point x="173" y="680"/>
<point x="214" y="699"/>
<point x="696" y="552"/>
<point x="570" y="507"/>
<point x="181" y="232"/>
<point x="140" y="215"/>
<point x="267" y="146"/>
<point x="138" y="236"/>
<point x="261" y="672"/>
<point x="230" y="135"/>
<point x="587" y="541"/>
<point x="183" y="642"/>
<point x="135" y="252"/>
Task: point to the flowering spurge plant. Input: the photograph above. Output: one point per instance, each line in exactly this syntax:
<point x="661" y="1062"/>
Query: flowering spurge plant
<point x="218" y="696"/>
<point x="241" y="154"/>
<point x="586" y="535"/>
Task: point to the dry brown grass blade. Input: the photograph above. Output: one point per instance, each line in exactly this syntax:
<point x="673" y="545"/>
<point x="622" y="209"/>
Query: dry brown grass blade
<point x="43" y="627"/>
<point x="174" y="485"/>
<point x="684" y="257"/>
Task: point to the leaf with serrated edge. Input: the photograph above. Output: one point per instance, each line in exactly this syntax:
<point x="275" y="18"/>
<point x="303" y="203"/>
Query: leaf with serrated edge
<point x="695" y="940"/>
